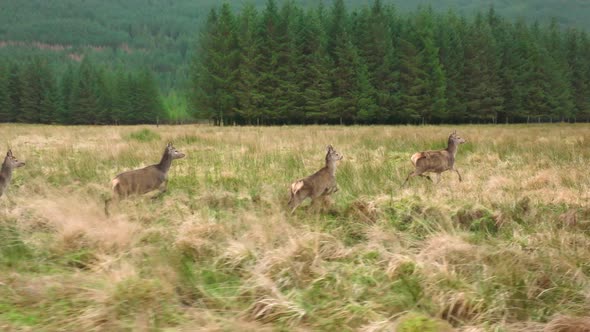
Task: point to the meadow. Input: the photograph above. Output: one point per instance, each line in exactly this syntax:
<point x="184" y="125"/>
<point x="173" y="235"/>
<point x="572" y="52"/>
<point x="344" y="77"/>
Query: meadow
<point x="507" y="249"/>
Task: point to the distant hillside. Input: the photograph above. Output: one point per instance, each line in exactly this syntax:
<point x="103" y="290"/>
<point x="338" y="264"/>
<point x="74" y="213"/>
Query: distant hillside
<point x="151" y="23"/>
<point x="159" y="34"/>
<point x="574" y="13"/>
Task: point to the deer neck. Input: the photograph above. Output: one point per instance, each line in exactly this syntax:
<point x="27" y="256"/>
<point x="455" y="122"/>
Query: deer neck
<point x="331" y="167"/>
<point x="6" y="172"/>
<point x="452" y="149"/>
<point x="165" y="163"/>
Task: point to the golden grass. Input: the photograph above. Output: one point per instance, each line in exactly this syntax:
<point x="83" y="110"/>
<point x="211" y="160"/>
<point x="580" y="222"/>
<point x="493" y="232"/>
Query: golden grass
<point x="504" y="250"/>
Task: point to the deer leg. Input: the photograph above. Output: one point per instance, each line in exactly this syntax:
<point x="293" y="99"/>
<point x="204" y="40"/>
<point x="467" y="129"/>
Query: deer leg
<point x="107" y="202"/>
<point x="426" y="177"/>
<point x="162" y="189"/>
<point x="328" y="202"/>
<point x="330" y="191"/>
<point x="409" y="176"/>
<point x="296" y="200"/>
<point x="317" y="203"/>
<point x="437" y="178"/>
<point x="459" y="174"/>
<point x="294" y="204"/>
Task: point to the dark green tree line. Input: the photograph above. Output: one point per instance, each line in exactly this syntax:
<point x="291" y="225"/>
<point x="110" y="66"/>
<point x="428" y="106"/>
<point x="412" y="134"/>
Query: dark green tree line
<point x="287" y="65"/>
<point x="32" y="91"/>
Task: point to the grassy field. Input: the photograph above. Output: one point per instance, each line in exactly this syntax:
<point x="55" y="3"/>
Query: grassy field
<point x="507" y="249"/>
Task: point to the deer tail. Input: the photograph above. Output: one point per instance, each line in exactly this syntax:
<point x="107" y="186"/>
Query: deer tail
<point x="114" y="184"/>
<point x="295" y="187"/>
<point x="107" y="201"/>
<point x="416" y="156"/>
<point x="106" y="206"/>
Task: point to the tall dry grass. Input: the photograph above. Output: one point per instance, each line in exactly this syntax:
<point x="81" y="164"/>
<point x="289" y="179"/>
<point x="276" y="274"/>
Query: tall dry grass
<point x="504" y="250"/>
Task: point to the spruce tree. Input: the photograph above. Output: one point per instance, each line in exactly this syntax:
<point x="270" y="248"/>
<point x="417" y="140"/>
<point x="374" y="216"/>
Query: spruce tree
<point x="312" y="72"/>
<point x="345" y="69"/>
<point x="483" y="96"/>
<point x="268" y="66"/>
<point x="203" y="91"/>
<point x="434" y="83"/>
<point x="412" y="84"/>
<point x="450" y="35"/>
<point x="248" y="96"/>
<point x="32" y="93"/>
<point x="225" y="64"/>
<point x="578" y="72"/>
<point x="287" y="61"/>
<point x="5" y="102"/>
<point x="560" y="90"/>
<point x="85" y="103"/>
<point x="148" y="106"/>
<point x="15" y="91"/>
<point x="375" y="46"/>
<point x="66" y="87"/>
<point x="121" y="103"/>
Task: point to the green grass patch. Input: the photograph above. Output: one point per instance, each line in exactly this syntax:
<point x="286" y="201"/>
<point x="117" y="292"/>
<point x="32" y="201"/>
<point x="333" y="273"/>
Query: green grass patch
<point x="14" y="252"/>
<point x="18" y="316"/>
<point x="143" y="135"/>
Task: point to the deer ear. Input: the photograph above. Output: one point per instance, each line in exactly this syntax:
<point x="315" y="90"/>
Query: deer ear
<point x="169" y="144"/>
<point x="329" y="148"/>
<point x="9" y="153"/>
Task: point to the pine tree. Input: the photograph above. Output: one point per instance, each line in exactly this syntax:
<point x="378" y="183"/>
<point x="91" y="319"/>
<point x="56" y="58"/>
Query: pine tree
<point x="225" y="64"/>
<point x="376" y="50"/>
<point x="148" y="105"/>
<point x="132" y="115"/>
<point x="450" y="38"/>
<point x="584" y="68"/>
<point x="560" y="90"/>
<point x="578" y="68"/>
<point x="368" y="110"/>
<point x="434" y="83"/>
<point x="248" y="96"/>
<point x="32" y="93"/>
<point x="312" y="72"/>
<point x="121" y="104"/>
<point x="345" y="69"/>
<point x="5" y="102"/>
<point x="512" y="68"/>
<point x="268" y="66"/>
<point x="202" y="93"/>
<point x="286" y="61"/>
<point x="14" y="91"/>
<point x="66" y="87"/>
<point x="215" y="69"/>
<point x="85" y="103"/>
<point x="105" y="92"/>
<point x="412" y="83"/>
<point x="50" y="104"/>
<point x="482" y="80"/>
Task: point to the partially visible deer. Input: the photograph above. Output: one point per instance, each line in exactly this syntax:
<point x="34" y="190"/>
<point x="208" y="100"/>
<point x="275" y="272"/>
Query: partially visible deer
<point x="437" y="161"/>
<point x="318" y="185"/>
<point x="144" y="180"/>
<point x="10" y="163"/>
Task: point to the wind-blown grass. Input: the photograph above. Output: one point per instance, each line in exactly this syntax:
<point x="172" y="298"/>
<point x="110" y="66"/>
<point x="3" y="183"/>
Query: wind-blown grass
<point x="504" y="250"/>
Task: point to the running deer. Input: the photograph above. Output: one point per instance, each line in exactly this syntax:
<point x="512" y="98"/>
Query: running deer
<point x="144" y="180"/>
<point x="318" y="185"/>
<point x="10" y="163"/>
<point x="437" y="161"/>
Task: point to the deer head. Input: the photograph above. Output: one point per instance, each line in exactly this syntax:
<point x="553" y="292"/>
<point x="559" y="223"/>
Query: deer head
<point x="11" y="161"/>
<point x="175" y="154"/>
<point x="332" y="154"/>
<point x="456" y="139"/>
